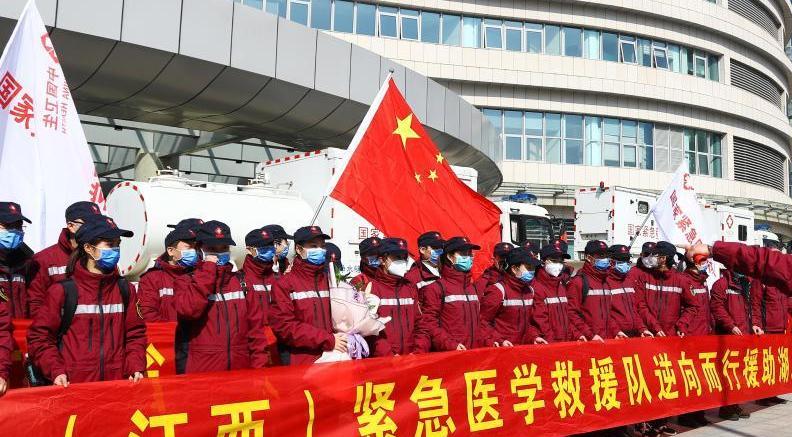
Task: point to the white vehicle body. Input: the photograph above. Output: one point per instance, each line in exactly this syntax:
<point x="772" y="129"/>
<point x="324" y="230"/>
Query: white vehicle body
<point x="146" y="208"/>
<point x="766" y="238"/>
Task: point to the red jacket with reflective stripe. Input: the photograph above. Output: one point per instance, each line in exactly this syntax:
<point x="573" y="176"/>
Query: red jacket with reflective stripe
<point x="300" y="313"/>
<point x="702" y="323"/>
<point x="259" y="277"/>
<point x="507" y="311"/>
<point x="665" y="301"/>
<point x="624" y="314"/>
<point x="399" y="300"/>
<point x="49" y="266"/>
<point x="728" y="302"/>
<point x="103" y="343"/>
<point x="223" y="325"/>
<point x="769" y="266"/>
<point x="595" y="308"/>
<point x="451" y="312"/>
<point x="15" y="273"/>
<point x="421" y="276"/>
<point x="6" y="340"/>
<point x="769" y="308"/>
<point x="489" y="276"/>
<point x="553" y="316"/>
<point x="155" y="291"/>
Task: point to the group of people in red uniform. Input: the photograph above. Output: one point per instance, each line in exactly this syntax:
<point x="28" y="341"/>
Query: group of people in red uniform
<point x="89" y="322"/>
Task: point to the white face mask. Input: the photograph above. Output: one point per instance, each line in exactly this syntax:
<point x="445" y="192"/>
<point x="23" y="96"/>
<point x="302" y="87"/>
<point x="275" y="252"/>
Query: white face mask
<point x="649" y="262"/>
<point x="554" y="269"/>
<point x="398" y="268"/>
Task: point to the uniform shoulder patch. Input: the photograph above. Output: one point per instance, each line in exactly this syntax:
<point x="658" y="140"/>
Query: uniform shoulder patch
<point x="3" y="295"/>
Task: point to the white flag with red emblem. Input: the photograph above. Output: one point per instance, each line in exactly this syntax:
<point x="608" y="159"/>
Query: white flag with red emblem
<point x="45" y="163"/>
<point x="678" y="212"/>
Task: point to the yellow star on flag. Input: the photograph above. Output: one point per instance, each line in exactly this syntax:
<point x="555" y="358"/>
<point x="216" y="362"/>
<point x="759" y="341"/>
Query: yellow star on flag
<point x="404" y="129"/>
<point x="433" y="175"/>
<point x="439" y="158"/>
<point x="418" y="178"/>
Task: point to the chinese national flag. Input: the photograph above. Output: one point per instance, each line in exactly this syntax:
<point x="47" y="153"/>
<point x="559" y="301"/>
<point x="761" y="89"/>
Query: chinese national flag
<point x="396" y="178"/>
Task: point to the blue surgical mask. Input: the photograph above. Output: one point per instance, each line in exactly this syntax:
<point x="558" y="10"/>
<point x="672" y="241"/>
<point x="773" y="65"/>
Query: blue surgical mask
<point x="602" y="264"/>
<point x="623" y="267"/>
<point x="463" y="263"/>
<point x="266" y="254"/>
<point x="284" y="253"/>
<point x="373" y="261"/>
<point x="223" y="258"/>
<point x="527" y="276"/>
<point x="11" y="239"/>
<point x="108" y="258"/>
<point x="189" y="257"/>
<point x="434" y="257"/>
<point x="315" y="256"/>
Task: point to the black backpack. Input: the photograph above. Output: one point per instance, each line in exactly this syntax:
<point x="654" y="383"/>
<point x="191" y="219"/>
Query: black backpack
<point x="34" y="375"/>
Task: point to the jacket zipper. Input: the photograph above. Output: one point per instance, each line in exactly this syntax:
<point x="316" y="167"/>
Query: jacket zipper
<point x="468" y="307"/>
<point x="101" y="333"/>
<point x="236" y="314"/>
<point x="399" y="318"/>
<point x="227" y="320"/>
<point x="562" y="312"/>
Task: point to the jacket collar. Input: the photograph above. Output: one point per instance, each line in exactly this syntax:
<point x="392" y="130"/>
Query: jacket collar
<point x="515" y="283"/>
<point x="308" y="270"/>
<point x="92" y="282"/>
<point x="64" y="242"/>
<point x="257" y="268"/>
<point x="544" y="278"/>
<point x="454" y="276"/>
<point x="589" y="270"/>
<point x="367" y="270"/>
<point x="171" y="269"/>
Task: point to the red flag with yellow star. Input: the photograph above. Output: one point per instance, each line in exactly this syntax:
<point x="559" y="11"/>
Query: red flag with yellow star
<point x="396" y="178"/>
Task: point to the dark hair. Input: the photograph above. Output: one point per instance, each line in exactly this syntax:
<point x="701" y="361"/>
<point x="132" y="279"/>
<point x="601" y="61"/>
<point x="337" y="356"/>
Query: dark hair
<point x="80" y="255"/>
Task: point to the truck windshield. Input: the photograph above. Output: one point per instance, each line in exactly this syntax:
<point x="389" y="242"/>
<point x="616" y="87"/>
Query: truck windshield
<point x="537" y="230"/>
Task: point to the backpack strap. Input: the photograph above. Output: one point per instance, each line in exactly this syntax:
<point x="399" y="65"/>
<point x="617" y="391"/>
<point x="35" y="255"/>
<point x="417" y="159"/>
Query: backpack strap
<point x="240" y="274"/>
<point x="69" y="307"/>
<point x="502" y="290"/>
<point x="585" y="290"/>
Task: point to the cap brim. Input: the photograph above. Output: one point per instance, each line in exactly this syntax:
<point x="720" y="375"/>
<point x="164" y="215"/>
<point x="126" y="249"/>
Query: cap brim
<point x="469" y="247"/>
<point x="11" y="218"/>
<point x="393" y="252"/>
<point x="620" y="256"/>
<point x="433" y="243"/>
<point x="218" y="241"/>
<point x="325" y="236"/>
<point x="116" y="233"/>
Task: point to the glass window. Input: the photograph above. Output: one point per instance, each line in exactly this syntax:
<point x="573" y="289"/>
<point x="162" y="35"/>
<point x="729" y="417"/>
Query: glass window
<point x="574" y="151"/>
<point x="513" y="36"/>
<point x="629" y="131"/>
<point x="258" y="4"/>
<point x="610" y="47"/>
<point x="701" y="142"/>
<point x="366" y="19"/>
<point x="277" y="7"/>
<point x="573" y="139"/>
<point x="451" y="29"/>
<point x="612" y="130"/>
<point x="552" y="40"/>
<point x="471" y="32"/>
<point x="630" y="157"/>
<point x="430" y="27"/>
<point x="673" y="58"/>
<point x="553" y="151"/>
<point x="645" y="52"/>
<point x="690" y="63"/>
<point x="716" y="167"/>
<point x="689" y="140"/>
<point x="320" y="14"/>
<point x="513" y="148"/>
<point x="533" y="38"/>
<point x="611" y="155"/>
<point x="701" y="65"/>
<point x="572" y="41"/>
<point x="388" y="26"/>
<point x="713" y="70"/>
<point x="409" y="24"/>
<point x="715" y="143"/>
<point x="533" y="124"/>
<point x="513" y="122"/>
<point x="573" y="126"/>
<point x="493" y="34"/>
<point x="343" y="16"/>
<point x="627" y="49"/>
<point x="494" y="116"/>
<point x="646" y="157"/>
<point x="660" y="55"/>
<point x="646" y="133"/>
<point x="533" y="148"/>
<point x="683" y="60"/>
<point x="553" y="125"/>
<point x="298" y="11"/>
<point x="591" y="43"/>
<point x="593" y="151"/>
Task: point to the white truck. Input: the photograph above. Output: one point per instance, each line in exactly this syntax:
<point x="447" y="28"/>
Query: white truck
<point x="310" y="173"/>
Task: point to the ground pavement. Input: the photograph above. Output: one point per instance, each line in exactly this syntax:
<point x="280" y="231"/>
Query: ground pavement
<point x="775" y="421"/>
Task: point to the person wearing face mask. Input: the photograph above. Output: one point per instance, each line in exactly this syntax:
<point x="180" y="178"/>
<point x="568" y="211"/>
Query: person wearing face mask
<point x="507" y="305"/>
<point x="427" y="270"/>
<point x="300" y="313"/>
<point x="451" y="305"/>
<point x="333" y="255"/>
<point x="590" y="291"/>
<point x="369" y="262"/>
<point x="223" y="325"/>
<point x="15" y="260"/>
<point x="258" y="271"/>
<point x="554" y="318"/>
<point x="281" y="243"/>
<point x="497" y="270"/>
<point x="49" y="264"/>
<point x="624" y="320"/>
<point x="398" y="300"/>
<point x="155" y="289"/>
<point x="88" y="328"/>
<point x="696" y="274"/>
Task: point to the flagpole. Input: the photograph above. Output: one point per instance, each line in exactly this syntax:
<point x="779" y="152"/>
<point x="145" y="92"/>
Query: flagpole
<point x="354" y="143"/>
<point x="638" y="232"/>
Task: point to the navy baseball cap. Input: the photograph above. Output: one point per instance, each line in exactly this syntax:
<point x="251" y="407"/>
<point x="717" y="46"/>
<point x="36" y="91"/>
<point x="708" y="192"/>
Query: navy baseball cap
<point x="393" y="246"/>
<point x="370" y="246"/>
<point x="619" y="252"/>
<point x="100" y="227"/>
<point x="555" y="249"/>
<point x="306" y="233"/>
<point x="333" y="253"/>
<point x="278" y="233"/>
<point x="459" y="243"/>
<point x="11" y="212"/>
<point x="648" y="247"/>
<point x="81" y="210"/>
<point x="259" y="238"/>
<point x="520" y="256"/>
<point x="179" y="234"/>
<point x="502" y="249"/>
<point x="530" y="247"/>
<point x="665" y="248"/>
<point x="214" y="232"/>
<point x="596" y="247"/>
<point x="431" y="239"/>
<point x="193" y="224"/>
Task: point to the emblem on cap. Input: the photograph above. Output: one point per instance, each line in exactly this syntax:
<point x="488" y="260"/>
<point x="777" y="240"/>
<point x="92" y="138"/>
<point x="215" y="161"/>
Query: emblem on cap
<point x="265" y="234"/>
<point x="95" y="209"/>
<point x="111" y="223"/>
<point x="314" y="230"/>
<point x="12" y="207"/>
<point x="218" y="232"/>
<point x="401" y="243"/>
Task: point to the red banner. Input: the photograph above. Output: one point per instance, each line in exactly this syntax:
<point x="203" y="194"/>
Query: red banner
<point x="556" y="389"/>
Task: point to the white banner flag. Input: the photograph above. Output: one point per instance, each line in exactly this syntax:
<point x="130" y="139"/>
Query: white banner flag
<point x="45" y="164"/>
<point x="678" y="213"/>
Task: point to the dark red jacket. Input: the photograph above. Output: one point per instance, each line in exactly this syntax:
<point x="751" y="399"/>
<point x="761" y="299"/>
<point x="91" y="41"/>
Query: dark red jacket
<point x="6" y="340"/>
<point x="223" y="326"/>
<point x="259" y="277"/>
<point x="595" y="307"/>
<point x="553" y="317"/>
<point x="729" y="304"/>
<point x="624" y="316"/>
<point x="507" y="312"/>
<point x="702" y="323"/>
<point x="300" y="313"/>
<point x="104" y="342"/>
<point x="421" y="275"/>
<point x="366" y="275"/>
<point x="665" y="301"/>
<point x="15" y="273"/>
<point x="451" y="312"/>
<point x="155" y="291"/>
<point x="399" y="300"/>
<point x="770" y="267"/>
<point x="769" y="308"/>
<point x="49" y="267"/>
<point x="489" y="276"/>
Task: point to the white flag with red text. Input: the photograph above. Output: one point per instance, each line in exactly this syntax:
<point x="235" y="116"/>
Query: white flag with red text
<point x="45" y="163"/>
<point x="678" y="213"/>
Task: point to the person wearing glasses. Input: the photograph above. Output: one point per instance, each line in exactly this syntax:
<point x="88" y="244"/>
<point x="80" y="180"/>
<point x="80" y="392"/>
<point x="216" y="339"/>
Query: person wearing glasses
<point x="15" y="259"/>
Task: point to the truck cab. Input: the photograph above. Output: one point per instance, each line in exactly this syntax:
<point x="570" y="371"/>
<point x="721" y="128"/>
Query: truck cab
<point x="522" y="219"/>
